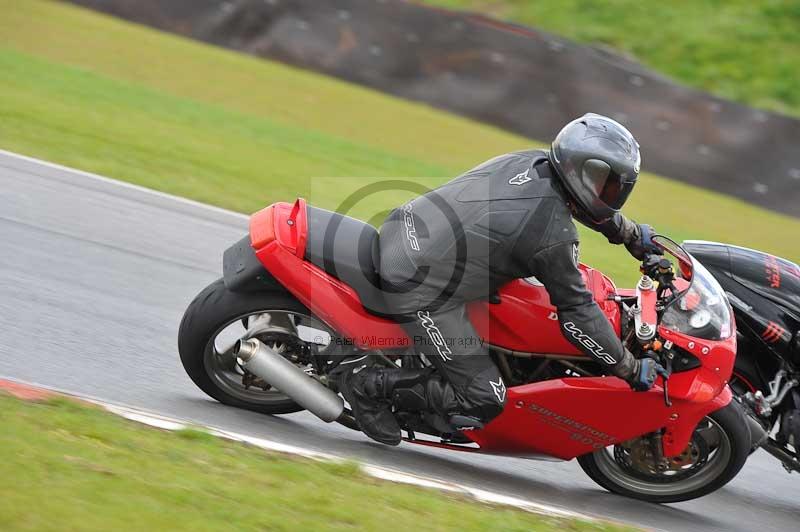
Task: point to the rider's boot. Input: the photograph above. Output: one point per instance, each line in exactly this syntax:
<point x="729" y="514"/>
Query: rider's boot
<point x="373" y="391"/>
<point x="365" y="389"/>
<point x="419" y="391"/>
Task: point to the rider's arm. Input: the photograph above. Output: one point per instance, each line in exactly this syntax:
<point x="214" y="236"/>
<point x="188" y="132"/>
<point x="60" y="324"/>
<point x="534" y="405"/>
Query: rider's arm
<point x="582" y="321"/>
<point x="620" y="230"/>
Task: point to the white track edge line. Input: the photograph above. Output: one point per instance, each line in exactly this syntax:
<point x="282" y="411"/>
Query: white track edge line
<point x="122" y="184"/>
<point x="376" y="471"/>
<point x="380" y="472"/>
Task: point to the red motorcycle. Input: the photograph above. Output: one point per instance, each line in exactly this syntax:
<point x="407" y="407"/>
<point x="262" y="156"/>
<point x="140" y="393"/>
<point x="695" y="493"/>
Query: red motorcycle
<point x="301" y="292"/>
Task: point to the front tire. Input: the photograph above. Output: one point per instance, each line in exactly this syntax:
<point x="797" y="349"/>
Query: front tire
<point x="214" y="309"/>
<point x="729" y="451"/>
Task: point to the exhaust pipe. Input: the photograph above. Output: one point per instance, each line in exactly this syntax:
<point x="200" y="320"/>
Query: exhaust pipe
<point x="265" y="363"/>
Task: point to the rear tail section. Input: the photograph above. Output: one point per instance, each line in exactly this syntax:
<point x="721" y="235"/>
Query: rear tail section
<point x="279" y="235"/>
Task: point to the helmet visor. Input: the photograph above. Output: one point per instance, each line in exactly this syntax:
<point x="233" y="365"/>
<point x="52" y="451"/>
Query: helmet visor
<point x="605" y="184"/>
<point x="615" y="191"/>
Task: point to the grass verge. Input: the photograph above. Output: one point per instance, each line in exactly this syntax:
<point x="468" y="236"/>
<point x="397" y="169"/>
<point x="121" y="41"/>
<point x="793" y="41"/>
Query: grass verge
<point x="745" y="50"/>
<point x="96" y="93"/>
<point x="67" y="466"/>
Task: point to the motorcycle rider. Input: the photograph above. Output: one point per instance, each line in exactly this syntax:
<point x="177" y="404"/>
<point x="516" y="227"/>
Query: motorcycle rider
<point x="510" y="217"/>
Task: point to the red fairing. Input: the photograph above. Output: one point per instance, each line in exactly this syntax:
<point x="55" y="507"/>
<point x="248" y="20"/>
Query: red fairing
<point x="326" y="297"/>
<point x="711" y="378"/>
<point x="525" y="320"/>
<point x="569" y="417"/>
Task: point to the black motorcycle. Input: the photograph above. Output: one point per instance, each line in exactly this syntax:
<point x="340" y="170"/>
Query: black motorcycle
<point x="764" y="292"/>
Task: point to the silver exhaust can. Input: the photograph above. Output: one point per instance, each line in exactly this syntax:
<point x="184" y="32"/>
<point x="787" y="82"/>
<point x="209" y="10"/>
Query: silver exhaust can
<point x="309" y="393"/>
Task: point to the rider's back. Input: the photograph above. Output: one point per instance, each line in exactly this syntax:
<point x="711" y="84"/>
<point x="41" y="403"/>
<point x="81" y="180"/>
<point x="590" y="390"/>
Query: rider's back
<point x="479" y="230"/>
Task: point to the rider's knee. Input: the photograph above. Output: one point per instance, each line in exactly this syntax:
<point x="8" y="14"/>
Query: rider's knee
<point x="488" y="396"/>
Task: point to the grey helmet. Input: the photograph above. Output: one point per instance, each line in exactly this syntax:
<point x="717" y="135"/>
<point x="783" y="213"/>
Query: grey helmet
<point x="597" y="161"/>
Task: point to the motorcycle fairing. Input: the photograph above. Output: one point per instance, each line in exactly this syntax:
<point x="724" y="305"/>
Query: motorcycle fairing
<point x="523" y="302"/>
<point x="769" y="276"/>
<point x="574" y="416"/>
<point x="775" y="278"/>
<point x="708" y="380"/>
<point x="278" y="236"/>
<point x="570" y="417"/>
<point x="764" y="291"/>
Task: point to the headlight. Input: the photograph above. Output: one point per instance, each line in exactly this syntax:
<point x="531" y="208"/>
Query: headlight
<point x="700" y="319"/>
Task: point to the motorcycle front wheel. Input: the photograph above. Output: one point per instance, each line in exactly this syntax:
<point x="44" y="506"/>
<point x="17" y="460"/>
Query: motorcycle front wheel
<point x="717" y="451"/>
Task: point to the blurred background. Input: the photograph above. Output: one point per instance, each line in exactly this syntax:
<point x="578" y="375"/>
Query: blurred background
<point x="327" y="96"/>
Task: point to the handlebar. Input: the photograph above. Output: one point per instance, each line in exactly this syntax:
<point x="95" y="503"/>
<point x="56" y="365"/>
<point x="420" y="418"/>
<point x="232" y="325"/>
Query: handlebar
<point x="660" y="269"/>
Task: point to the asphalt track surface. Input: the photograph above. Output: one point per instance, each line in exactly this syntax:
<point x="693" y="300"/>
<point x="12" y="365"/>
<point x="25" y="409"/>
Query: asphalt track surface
<point x="95" y="276"/>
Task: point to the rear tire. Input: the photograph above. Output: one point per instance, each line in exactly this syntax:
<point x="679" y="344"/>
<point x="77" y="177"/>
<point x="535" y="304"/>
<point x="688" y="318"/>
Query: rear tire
<point x="213" y="309"/>
<point x="729" y="419"/>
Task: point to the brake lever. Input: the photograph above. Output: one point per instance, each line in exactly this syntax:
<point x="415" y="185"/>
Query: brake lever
<point x="649" y="265"/>
<point x="665" y="376"/>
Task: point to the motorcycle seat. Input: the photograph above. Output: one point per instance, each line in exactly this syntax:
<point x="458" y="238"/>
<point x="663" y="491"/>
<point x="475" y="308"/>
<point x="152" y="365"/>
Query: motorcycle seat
<point x="347" y="249"/>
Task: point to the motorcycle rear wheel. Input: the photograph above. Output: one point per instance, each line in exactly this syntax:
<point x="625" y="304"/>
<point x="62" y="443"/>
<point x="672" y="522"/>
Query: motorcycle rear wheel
<point x="214" y="311"/>
<point x="727" y="437"/>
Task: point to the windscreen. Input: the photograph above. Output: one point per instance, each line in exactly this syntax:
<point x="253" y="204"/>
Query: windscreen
<point x="701" y="310"/>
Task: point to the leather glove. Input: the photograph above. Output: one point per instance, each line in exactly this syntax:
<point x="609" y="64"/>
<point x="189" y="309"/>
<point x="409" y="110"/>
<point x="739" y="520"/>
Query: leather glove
<point x="644" y="374"/>
<point x="640" y="243"/>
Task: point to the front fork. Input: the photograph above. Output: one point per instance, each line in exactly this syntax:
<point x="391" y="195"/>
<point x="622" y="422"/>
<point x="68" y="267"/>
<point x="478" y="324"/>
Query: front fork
<point x="657" y="448"/>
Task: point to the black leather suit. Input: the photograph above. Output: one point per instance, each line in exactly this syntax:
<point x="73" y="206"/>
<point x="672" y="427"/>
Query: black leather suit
<point x="503" y="220"/>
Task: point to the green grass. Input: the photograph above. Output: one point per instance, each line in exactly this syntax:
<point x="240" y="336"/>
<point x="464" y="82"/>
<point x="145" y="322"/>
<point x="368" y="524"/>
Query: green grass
<point x="103" y="95"/>
<point x="744" y="50"/>
<point x="66" y="466"/>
